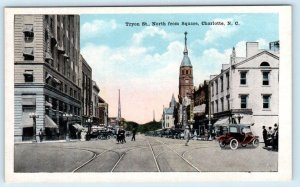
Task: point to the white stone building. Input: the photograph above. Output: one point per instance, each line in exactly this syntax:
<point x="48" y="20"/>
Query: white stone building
<point x="168" y="114"/>
<point x="247" y="88"/>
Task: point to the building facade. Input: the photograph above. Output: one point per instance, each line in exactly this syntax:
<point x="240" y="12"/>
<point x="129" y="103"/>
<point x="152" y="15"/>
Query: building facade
<point x="103" y="112"/>
<point x="168" y="114"/>
<point x="46" y="74"/>
<point x="95" y="101"/>
<point x="201" y="102"/>
<point x="246" y="90"/>
<point x="86" y="91"/>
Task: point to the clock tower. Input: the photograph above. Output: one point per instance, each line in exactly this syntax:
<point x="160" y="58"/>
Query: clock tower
<point x="186" y="83"/>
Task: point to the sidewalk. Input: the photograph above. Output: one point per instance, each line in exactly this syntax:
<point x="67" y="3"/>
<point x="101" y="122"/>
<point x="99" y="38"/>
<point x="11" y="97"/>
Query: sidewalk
<point x="50" y="141"/>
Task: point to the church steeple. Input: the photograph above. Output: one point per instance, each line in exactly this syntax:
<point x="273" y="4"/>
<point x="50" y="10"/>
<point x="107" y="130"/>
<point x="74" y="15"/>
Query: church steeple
<point x="186" y="60"/>
<point x="186" y="84"/>
<point x="185" y="52"/>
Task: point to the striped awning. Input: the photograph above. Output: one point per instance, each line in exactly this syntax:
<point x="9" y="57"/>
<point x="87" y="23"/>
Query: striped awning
<point x="49" y="123"/>
<point x="78" y="127"/>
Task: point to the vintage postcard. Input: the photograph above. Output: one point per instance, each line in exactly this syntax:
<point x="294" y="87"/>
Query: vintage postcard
<point x="164" y="94"/>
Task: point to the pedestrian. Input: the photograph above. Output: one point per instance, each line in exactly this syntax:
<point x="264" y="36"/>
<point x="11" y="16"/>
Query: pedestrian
<point x="265" y="136"/>
<point x="133" y="135"/>
<point x="275" y="138"/>
<point x="119" y="135"/>
<point x="41" y="135"/>
<point x="187" y="134"/>
<point x="269" y="133"/>
<point x="123" y="140"/>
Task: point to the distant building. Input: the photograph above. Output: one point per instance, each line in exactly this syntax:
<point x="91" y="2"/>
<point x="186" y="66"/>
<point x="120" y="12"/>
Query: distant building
<point x="95" y="101"/>
<point x="86" y="91"/>
<point x="246" y="90"/>
<point x="46" y="74"/>
<point x="168" y="114"/>
<point x="103" y="112"/>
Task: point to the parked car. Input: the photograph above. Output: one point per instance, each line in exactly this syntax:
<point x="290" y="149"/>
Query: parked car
<point x="104" y="135"/>
<point x="238" y="134"/>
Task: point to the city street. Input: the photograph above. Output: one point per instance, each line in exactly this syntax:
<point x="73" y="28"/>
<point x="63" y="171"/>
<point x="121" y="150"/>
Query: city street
<point x="146" y="154"/>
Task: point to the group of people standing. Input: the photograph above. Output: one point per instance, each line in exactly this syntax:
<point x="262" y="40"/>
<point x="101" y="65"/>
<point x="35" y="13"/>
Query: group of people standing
<point x="270" y="137"/>
<point x="121" y="135"/>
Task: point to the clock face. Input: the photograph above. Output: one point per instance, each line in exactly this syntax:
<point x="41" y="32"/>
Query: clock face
<point x="186" y="81"/>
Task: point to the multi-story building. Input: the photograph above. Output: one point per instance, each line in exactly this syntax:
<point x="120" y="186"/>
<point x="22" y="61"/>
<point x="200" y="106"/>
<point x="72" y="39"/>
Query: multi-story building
<point x="168" y="114"/>
<point x="246" y="90"/>
<point x="46" y="72"/>
<point x="103" y="112"/>
<point x="201" y="102"/>
<point x="95" y="101"/>
<point x="86" y="91"/>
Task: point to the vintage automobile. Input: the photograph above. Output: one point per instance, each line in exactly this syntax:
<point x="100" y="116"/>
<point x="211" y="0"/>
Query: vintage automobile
<point x="237" y="134"/>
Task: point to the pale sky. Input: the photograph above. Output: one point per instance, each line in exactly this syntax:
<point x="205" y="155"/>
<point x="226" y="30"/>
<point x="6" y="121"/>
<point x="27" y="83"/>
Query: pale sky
<point x="143" y="61"/>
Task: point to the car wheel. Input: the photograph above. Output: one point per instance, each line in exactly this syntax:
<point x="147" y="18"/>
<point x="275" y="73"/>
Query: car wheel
<point x="234" y="144"/>
<point x="222" y="144"/>
<point x="99" y="137"/>
<point x="108" y="137"/>
<point x="255" y="143"/>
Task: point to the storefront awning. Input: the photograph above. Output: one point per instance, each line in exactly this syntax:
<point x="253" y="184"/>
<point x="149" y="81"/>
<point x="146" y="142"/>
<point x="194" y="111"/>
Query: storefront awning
<point x="49" y="123"/>
<point x="222" y="121"/>
<point x="61" y="49"/>
<point x="26" y="120"/>
<point x="199" y="109"/>
<point x="78" y="127"/>
<point x="56" y="80"/>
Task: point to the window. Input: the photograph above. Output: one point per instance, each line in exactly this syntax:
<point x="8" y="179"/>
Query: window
<point x="66" y="88"/>
<point x="264" y="64"/>
<point x="28" y="53"/>
<point x="212" y="89"/>
<point x="221" y="79"/>
<point x="217" y="108"/>
<point x="187" y="71"/>
<point x="28" y="33"/>
<point x="222" y="104"/>
<point x="265" y="77"/>
<point x="266" y="101"/>
<point x="216" y="86"/>
<point x="186" y="81"/>
<point x="227" y="78"/>
<point x="243" y="77"/>
<point x="71" y="92"/>
<point x="212" y="107"/>
<point x="28" y="75"/>
<point x="244" y="101"/>
<point x="228" y="102"/>
<point x="182" y="72"/>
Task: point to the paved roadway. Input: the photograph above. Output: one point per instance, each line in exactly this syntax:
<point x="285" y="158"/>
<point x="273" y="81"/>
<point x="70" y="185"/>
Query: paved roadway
<point x="146" y="154"/>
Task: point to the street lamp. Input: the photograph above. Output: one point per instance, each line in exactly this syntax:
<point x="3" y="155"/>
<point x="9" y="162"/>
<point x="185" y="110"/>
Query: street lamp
<point x="89" y="121"/>
<point x="67" y="116"/>
<point x="34" y="116"/>
<point x="239" y="117"/>
<point x="209" y="125"/>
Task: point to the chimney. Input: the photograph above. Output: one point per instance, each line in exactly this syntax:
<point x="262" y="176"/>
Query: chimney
<point x="251" y="49"/>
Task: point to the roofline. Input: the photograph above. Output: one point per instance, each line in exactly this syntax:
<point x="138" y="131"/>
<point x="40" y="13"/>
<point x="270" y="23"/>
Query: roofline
<point x="242" y="62"/>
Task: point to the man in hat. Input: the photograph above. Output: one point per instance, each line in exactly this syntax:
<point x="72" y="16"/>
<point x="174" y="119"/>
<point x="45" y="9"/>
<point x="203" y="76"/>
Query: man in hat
<point x="275" y="138"/>
<point x="265" y="136"/>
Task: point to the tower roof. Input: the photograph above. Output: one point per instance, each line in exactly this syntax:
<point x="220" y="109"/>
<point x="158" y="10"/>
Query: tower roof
<point x="186" y="60"/>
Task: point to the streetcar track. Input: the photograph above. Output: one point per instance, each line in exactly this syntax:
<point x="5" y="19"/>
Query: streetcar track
<point x="180" y="156"/>
<point x="156" y="163"/>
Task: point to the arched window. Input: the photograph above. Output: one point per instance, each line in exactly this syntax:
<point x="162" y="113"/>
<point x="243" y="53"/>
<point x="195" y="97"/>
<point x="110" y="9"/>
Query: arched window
<point x="182" y="72"/>
<point x="264" y="64"/>
<point x="187" y="71"/>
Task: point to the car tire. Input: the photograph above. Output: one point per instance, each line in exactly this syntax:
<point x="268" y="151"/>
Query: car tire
<point x="255" y="143"/>
<point x="222" y="144"/>
<point x="234" y="144"/>
<point x="108" y="137"/>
